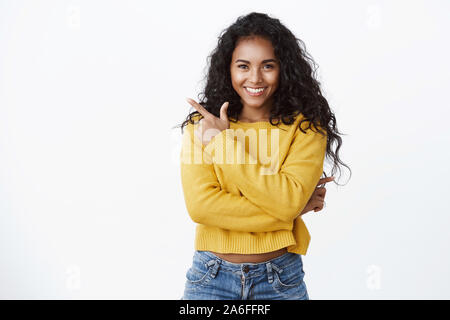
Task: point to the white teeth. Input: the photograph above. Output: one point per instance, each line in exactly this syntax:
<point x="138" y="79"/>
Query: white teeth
<point x="254" y="90"/>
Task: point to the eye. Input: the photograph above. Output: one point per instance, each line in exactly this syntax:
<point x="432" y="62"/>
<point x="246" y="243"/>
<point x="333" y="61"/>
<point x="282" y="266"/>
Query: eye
<point x="245" y="66"/>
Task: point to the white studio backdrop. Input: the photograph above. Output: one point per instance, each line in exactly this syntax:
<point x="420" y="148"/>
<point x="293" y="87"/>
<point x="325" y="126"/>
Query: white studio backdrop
<point x="91" y="205"/>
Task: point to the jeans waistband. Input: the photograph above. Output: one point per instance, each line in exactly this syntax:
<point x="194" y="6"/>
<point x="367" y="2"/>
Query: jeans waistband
<point x="282" y="261"/>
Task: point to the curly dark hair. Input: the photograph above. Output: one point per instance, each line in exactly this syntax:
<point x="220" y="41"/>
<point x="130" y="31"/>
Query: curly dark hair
<point x="298" y="90"/>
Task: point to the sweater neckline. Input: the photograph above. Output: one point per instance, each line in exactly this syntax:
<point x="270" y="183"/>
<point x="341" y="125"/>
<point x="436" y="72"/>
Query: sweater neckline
<point x="256" y="124"/>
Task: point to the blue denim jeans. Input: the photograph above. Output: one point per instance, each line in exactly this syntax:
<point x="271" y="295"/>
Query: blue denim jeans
<point x="212" y="278"/>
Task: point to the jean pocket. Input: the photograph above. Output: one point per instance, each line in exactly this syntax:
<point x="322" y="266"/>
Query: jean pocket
<point x="289" y="282"/>
<point x="289" y="278"/>
<point x="199" y="273"/>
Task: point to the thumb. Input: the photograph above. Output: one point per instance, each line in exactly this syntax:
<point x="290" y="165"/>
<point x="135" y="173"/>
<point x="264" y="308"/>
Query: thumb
<point x="223" y="111"/>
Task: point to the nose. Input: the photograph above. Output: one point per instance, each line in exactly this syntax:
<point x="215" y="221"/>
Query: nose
<point x="255" y="76"/>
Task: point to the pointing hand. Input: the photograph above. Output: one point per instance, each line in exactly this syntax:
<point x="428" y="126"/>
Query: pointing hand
<point x="210" y="125"/>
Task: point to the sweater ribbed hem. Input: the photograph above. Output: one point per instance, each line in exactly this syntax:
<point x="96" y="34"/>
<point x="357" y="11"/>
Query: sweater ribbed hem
<point x="225" y="241"/>
<point x="301" y="234"/>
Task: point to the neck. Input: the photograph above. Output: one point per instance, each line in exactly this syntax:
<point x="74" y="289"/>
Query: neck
<point x="249" y="115"/>
<point x="253" y="120"/>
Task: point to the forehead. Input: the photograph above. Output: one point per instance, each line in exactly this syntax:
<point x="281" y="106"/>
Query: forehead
<point x="255" y="48"/>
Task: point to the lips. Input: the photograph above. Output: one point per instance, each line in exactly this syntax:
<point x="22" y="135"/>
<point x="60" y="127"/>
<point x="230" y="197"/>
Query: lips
<point x="255" y="94"/>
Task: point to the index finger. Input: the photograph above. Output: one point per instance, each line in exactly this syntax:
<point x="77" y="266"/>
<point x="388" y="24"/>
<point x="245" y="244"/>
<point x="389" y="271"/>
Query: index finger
<point x="325" y="180"/>
<point x="205" y="113"/>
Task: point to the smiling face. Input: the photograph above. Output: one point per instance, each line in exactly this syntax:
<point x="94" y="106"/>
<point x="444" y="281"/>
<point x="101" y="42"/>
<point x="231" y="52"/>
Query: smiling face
<point x="254" y="76"/>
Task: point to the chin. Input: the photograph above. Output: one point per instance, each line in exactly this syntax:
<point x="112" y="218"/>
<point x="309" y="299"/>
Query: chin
<point x="254" y="104"/>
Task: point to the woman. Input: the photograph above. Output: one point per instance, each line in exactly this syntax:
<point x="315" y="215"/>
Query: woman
<point x="248" y="206"/>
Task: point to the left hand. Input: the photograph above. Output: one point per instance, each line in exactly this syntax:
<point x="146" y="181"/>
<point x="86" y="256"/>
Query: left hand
<point x="317" y="200"/>
<point x="210" y="125"/>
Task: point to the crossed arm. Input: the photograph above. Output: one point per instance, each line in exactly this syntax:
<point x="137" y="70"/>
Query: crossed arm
<point x="268" y="202"/>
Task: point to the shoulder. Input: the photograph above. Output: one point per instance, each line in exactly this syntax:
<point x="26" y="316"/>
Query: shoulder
<point x="195" y="118"/>
<point x="303" y="125"/>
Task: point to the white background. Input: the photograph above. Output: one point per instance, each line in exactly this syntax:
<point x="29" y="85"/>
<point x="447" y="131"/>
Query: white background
<point x="91" y="204"/>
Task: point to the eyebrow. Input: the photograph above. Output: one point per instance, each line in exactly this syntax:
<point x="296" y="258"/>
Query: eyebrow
<point x="264" y="61"/>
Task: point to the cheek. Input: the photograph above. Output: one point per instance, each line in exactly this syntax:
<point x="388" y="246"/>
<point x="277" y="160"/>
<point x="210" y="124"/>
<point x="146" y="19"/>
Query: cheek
<point x="272" y="79"/>
<point x="237" y="79"/>
<point x="234" y="82"/>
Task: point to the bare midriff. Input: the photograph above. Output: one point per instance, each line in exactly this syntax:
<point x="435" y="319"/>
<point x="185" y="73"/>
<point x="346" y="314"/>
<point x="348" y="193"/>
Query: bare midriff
<point x="250" y="258"/>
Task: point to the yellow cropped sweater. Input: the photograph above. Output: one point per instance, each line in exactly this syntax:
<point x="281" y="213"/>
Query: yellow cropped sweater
<point x="246" y="188"/>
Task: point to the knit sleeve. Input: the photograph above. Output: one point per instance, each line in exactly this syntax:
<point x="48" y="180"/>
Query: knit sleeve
<point x="207" y="203"/>
<point x="281" y="193"/>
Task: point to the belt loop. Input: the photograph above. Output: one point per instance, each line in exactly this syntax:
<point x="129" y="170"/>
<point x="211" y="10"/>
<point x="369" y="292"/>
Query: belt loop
<point x="269" y="272"/>
<point x="215" y="268"/>
<point x="277" y="268"/>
